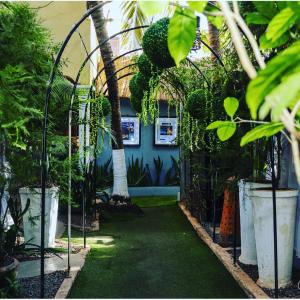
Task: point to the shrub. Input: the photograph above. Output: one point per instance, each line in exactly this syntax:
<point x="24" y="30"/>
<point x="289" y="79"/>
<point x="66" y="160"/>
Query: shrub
<point x="155" y="44"/>
<point x="195" y="104"/>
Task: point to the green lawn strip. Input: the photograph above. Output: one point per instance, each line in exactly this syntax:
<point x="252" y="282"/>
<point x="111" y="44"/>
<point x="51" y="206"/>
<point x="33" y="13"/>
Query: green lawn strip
<point x="157" y="255"/>
<point x="154" y="201"/>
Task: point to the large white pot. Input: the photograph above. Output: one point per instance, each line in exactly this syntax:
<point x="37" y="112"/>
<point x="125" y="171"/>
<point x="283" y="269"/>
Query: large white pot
<point x="286" y="201"/>
<point x="32" y="220"/>
<point x="248" y="247"/>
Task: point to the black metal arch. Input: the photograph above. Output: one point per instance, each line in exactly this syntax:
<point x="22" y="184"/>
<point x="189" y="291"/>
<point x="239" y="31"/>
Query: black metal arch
<point x="44" y="137"/>
<point x="110" y="62"/>
<point x="46" y="113"/>
<point x="115" y="73"/>
<point x="119" y="78"/>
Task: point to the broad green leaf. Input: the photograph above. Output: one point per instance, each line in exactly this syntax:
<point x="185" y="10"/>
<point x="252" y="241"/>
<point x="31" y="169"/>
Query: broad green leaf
<point x="282" y="96"/>
<point x="231" y="105"/>
<point x="264" y="130"/>
<point x="181" y="34"/>
<point x="266" y="44"/>
<point x="268" y="78"/>
<point x="282" y="4"/>
<point x="266" y="8"/>
<point x="280" y="24"/>
<point x="256" y="18"/>
<point x="225" y="132"/>
<point x="150" y="8"/>
<point x="217" y="124"/>
<point x="197" y="5"/>
<point x="295" y="6"/>
<point x="216" y="21"/>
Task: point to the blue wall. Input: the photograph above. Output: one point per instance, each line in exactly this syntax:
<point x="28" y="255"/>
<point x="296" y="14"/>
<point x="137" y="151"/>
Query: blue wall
<point x="147" y="149"/>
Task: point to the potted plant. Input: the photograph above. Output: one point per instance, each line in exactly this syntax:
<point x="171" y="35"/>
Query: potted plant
<point x="248" y="246"/>
<point x="286" y="201"/>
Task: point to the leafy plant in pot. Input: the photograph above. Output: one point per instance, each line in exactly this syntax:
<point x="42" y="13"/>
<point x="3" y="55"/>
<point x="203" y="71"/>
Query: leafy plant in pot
<point x="257" y="200"/>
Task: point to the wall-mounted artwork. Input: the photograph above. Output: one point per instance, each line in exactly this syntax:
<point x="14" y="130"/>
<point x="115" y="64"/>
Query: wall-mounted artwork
<point x="131" y="131"/>
<point x="166" y="131"/>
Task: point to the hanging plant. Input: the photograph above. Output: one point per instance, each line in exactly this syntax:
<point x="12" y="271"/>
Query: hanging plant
<point x="138" y="84"/>
<point x="146" y="67"/>
<point x="155" y="44"/>
<point x="136" y="102"/>
<point x="195" y="104"/>
<point x="104" y="106"/>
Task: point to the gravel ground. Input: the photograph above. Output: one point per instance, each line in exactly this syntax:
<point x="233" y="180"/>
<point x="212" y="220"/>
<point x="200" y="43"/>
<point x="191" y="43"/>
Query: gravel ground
<point x="30" y="287"/>
<point x="292" y="291"/>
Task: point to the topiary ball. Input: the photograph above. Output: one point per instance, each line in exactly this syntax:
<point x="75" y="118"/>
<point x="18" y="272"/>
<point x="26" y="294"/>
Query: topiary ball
<point x="138" y="84"/>
<point x="195" y="104"/>
<point x="136" y="102"/>
<point x="155" y="44"/>
<point x="146" y="67"/>
<point x="104" y="106"/>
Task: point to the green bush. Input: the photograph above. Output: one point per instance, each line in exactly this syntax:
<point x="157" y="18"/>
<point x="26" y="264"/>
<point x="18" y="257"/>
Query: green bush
<point x="155" y="44"/>
<point x="195" y="104"/>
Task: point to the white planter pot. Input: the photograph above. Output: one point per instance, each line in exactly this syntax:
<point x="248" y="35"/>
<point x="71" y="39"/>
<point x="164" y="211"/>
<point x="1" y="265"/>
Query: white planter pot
<point x="32" y="220"/>
<point x="248" y="247"/>
<point x="286" y="201"/>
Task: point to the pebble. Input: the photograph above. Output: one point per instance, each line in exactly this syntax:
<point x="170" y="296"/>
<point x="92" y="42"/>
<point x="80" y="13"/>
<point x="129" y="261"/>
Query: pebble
<point x="30" y="287"/>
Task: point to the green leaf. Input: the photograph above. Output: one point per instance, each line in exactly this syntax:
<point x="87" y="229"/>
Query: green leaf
<point x="295" y="6"/>
<point x="266" y="8"/>
<point x="266" y="44"/>
<point x="197" y="5"/>
<point x="282" y="96"/>
<point x="216" y="21"/>
<point x="268" y="78"/>
<point x="181" y="34"/>
<point x="256" y="18"/>
<point x="280" y="24"/>
<point x="150" y="8"/>
<point x="216" y="124"/>
<point x="226" y="131"/>
<point x="264" y="130"/>
<point x="231" y="105"/>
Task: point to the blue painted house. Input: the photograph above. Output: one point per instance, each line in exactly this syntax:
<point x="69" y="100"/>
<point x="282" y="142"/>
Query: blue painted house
<point x="147" y="150"/>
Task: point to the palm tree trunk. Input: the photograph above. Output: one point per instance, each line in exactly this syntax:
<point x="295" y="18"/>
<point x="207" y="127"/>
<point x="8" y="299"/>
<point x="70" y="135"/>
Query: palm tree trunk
<point x="120" y="187"/>
<point x="214" y="40"/>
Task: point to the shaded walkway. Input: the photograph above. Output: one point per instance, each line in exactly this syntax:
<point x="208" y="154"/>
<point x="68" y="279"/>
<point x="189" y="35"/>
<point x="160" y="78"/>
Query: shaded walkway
<point x="157" y="255"/>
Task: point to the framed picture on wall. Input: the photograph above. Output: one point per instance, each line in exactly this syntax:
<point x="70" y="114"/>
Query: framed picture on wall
<point x="130" y="131"/>
<point x="165" y="132"/>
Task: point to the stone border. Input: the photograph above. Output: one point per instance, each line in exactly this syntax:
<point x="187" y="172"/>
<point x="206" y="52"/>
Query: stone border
<point x="242" y="278"/>
<point x="65" y="288"/>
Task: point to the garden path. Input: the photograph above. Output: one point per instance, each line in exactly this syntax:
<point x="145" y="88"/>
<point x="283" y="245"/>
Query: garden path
<point x="157" y="255"/>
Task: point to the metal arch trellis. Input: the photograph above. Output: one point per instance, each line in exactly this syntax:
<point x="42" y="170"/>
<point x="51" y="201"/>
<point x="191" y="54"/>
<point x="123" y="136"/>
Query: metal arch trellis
<point x="99" y="73"/>
<point x="110" y="62"/>
<point x="45" y="124"/>
<point x="44" y="138"/>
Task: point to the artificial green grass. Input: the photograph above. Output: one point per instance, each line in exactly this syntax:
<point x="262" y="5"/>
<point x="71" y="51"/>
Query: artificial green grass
<point x="157" y="255"/>
<point x="154" y="201"/>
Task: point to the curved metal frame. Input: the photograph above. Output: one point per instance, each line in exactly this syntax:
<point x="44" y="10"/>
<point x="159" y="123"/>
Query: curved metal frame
<point x="45" y="124"/>
<point x="119" y="70"/>
<point x="44" y="137"/>
<point x="113" y="60"/>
